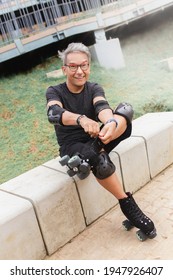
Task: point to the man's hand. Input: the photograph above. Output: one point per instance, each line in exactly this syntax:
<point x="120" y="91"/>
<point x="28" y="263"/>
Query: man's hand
<point x="107" y="133"/>
<point x="91" y="127"/>
<point x="110" y="131"/>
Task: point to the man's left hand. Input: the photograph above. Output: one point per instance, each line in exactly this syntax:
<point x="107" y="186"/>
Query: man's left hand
<point x="107" y="133"/>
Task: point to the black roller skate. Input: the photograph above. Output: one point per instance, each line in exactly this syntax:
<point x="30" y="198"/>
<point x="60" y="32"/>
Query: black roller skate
<point x="76" y="166"/>
<point x="80" y="166"/>
<point x="136" y="218"/>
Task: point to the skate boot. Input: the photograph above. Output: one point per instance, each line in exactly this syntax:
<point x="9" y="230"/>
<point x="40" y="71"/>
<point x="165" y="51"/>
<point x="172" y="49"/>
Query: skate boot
<point x="136" y="218"/>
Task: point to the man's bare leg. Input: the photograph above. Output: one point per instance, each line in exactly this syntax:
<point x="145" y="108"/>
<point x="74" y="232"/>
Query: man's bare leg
<point x="113" y="185"/>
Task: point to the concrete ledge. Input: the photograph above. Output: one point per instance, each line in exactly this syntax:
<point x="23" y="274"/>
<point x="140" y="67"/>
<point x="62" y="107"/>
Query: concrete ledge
<point x="158" y="135"/>
<point x="20" y="236"/>
<point x="90" y="191"/>
<point x="134" y="163"/>
<point x="56" y="207"/>
<point x="56" y="202"/>
<point x="95" y="200"/>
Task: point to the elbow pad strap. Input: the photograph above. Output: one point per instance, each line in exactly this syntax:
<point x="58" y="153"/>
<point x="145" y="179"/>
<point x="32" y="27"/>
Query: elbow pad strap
<point x="101" y="105"/>
<point x="54" y="114"/>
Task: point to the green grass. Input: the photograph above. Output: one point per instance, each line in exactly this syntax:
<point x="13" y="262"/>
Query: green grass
<point x="28" y="140"/>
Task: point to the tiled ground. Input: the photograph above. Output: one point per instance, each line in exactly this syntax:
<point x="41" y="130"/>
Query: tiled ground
<point x="106" y="239"/>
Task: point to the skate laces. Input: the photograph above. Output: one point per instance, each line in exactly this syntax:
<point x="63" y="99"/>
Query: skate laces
<point x="135" y="215"/>
<point x="134" y="211"/>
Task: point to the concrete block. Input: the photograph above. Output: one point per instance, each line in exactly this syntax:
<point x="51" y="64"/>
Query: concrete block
<point x="95" y="200"/>
<point x="56" y="202"/>
<point x="20" y="236"/>
<point x="167" y="63"/>
<point x="154" y="117"/>
<point x="158" y="136"/>
<point x="113" y="56"/>
<point x="55" y="74"/>
<point x="54" y="164"/>
<point x="134" y="163"/>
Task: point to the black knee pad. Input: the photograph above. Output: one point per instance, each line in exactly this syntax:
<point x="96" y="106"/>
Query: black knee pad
<point x="103" y="167"/>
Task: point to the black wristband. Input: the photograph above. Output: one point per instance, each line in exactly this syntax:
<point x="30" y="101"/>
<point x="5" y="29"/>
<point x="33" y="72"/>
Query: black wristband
<point x="112" y="120"/>
<point x="79" y="118"/>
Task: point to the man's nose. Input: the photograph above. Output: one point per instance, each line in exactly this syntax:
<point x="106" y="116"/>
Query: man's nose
<point x="79" y="70"/>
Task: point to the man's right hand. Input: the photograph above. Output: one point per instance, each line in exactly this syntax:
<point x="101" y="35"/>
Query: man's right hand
<point x="91" y="127"/>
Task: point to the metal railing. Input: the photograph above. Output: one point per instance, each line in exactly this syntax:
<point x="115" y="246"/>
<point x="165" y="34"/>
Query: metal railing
<point x="22" y="18"/>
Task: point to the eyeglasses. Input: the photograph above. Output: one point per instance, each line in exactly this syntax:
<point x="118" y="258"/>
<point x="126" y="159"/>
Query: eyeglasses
<point x="74" y="67"/>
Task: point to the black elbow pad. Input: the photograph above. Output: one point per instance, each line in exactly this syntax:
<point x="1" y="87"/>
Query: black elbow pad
<point x="126" y="110"/>
<point x="54" y="114"/>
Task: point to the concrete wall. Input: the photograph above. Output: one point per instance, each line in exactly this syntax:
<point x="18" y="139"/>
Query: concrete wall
<point x="43" y="209"/>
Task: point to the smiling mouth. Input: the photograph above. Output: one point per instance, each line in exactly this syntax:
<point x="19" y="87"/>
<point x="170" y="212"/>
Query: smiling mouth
<point x="80" y="78"/>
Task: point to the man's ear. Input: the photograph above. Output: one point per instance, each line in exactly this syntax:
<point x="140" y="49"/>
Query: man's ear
<point x="64" y="70"/>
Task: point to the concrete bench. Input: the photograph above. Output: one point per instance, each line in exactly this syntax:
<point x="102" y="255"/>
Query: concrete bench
<point x="156" y="130"/>
<point x="20" y="235"/>
<point x="43" y="209"/>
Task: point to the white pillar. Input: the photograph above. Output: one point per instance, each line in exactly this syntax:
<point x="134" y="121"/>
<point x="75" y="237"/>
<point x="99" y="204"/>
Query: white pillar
<point x="107" y="53"/>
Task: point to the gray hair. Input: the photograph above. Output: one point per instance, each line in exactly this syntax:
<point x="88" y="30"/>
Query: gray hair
<point x="74" y="47"/>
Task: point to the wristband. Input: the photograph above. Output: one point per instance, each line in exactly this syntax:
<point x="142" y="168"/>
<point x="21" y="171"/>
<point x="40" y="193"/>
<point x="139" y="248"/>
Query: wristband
<point x="79" y="118"/>
<point x="112" y="120"/>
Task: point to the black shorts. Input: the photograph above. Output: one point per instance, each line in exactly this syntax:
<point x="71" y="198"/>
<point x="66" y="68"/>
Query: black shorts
<point x="84" y="148"/>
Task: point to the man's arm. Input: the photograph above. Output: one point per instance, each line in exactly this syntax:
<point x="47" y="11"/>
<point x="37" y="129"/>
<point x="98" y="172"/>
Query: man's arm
<point x="67" y="118"/>
<point x="112" y="129"/>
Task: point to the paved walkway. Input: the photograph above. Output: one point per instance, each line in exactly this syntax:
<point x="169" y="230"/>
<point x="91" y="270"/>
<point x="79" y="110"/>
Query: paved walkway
<point x="105" y="239"/>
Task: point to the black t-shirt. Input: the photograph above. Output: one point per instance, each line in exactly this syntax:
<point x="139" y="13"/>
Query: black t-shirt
<point x="81" y="103"/>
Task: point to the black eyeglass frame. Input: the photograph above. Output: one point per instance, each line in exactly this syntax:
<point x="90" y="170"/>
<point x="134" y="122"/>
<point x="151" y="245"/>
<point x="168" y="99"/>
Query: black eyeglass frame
<point x="74" y="67"/>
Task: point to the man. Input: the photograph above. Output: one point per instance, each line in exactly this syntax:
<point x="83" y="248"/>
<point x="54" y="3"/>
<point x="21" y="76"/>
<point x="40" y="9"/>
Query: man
<point x="76" y="107"/>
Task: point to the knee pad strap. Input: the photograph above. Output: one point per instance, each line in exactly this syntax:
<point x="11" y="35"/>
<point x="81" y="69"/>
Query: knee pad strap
<point x="104" y="166"/>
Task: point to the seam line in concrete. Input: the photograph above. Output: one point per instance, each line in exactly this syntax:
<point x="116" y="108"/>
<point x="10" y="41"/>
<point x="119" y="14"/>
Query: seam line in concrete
<point x="54" y="169"/>
<point x="145" y="142"/>
<point x="121" y="169"/>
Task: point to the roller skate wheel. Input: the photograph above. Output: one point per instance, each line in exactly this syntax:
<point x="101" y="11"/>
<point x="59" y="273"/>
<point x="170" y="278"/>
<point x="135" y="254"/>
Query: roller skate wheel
<point x="71" y="172"/>
<point x="74" y="161"/>
<point x="64" y="160"/>
<point x="82" y="176"/>
<point x="141" y="235"/>
<point x="84" y="167"/>
<point x="153" y="234"/>
<point x="127" y="225"/>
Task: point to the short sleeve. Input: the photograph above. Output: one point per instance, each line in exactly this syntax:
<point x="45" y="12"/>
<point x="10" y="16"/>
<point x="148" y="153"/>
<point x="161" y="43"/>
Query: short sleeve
<point x="52" y="93"/>
<point x="97" y="90"/>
